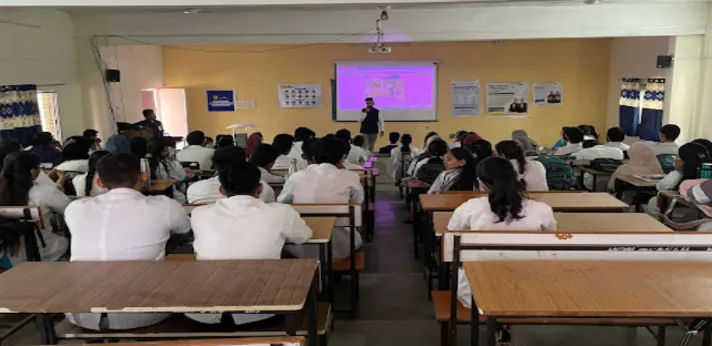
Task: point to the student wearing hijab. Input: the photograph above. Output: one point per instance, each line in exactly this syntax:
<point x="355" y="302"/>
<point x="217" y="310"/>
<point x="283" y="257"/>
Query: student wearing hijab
<point x="643" y="161"/>
<point x="705" y="143"/>
<point x="118" y="144"/>
<point x="529" y="146"/>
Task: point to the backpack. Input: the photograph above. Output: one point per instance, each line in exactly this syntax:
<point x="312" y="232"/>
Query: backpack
<point x="429" y="171"/>
<point x="559" y="174"/>
<point x="667" y="162"/>
<point x="606" y="165"/>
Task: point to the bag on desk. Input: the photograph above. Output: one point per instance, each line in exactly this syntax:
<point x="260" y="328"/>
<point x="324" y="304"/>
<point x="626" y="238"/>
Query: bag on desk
<point x="559" y="174"/>
<point x="606" y="165"/>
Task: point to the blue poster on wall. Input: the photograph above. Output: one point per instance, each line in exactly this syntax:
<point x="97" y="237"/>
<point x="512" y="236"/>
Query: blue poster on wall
<point x="221" y="100"/>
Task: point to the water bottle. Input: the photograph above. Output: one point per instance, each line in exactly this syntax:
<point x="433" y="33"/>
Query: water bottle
<point x="292" y="167"/>
<point x="706" y="171"/>
<point x="146" y="168"/>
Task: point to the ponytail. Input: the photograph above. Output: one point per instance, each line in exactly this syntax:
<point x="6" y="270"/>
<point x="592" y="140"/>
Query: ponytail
<point x="154" y="154"/>
<point x="506" y="194"/>
<point x="16" y="178"/>
<point x="93" y="161"/>
<point x="511" y="150"/>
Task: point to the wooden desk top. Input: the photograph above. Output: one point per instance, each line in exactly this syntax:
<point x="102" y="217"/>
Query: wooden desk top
<point x="321" y="228"/>
<point x="584" y="222"/>
<point x="592" y="288"/>
<point x="162" y="185"/>
<point x="564" y="202"/>
<point x="417" y="184"/>
<point x="637" y="182"/>
<point x="162" y="286"/>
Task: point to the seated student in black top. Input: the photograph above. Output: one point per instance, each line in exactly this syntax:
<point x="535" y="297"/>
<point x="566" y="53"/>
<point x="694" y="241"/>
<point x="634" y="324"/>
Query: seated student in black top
<point x="393" y="138"/>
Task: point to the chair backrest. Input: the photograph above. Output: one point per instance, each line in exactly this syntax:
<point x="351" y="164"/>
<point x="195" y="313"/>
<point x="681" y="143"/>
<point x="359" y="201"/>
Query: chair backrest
<point x="25" y="213"/>
<point x="667" y="162"/>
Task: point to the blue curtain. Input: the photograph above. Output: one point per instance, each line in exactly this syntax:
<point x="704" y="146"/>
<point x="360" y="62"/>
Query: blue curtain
<point x="652" y="118"/>
<point x="629" y="113"/>
<point x="19" y="112"/>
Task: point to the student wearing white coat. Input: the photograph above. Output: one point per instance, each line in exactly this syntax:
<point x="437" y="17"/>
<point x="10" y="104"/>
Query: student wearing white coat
<point x="615" y="137"/>
<point x="208" y="190"/>
<point x="326" y="183"/>
<point x="573" y="137"/>
<point x="531" y="173"/>
<point x="195" y="151"/>
<point x="506" y="208"/>
<point x="90" y="188"/>
<point x="122" y="225"/>
<point x="592" y="150"/>
<point x="301" y="134"/>
<point x="264" y="156"/>
<point x="242" y="227"/>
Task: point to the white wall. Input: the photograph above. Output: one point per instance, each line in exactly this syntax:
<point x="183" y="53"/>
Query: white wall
<point x="683" y="87"/>
<point x="43" y="56"/>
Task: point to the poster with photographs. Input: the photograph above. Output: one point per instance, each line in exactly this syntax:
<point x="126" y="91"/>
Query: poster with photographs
<point x="507" y="99"/>
<point x="548" y="94"/>
<point x="299" y="95"/>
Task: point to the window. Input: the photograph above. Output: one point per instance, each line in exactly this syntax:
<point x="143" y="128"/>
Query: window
<point x="49" y="112"/>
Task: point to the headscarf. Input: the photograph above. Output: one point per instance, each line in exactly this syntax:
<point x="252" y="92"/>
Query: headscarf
<point x="118" y="144"/>
<point x="701" y="186"/>
<point x="471" y="138"/>
<point x="642" y="161"/>
<point x="528" y="144"/>
<point x="253" y="141"/>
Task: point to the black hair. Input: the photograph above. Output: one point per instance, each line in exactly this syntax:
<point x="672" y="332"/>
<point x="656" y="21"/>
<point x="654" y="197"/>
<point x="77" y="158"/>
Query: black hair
<point x="481" y="148"/>
<point x="8" y="147"/>
<point x="303" y="133"/>
<point x="588" y="130"/>
<point x="224" y="141"/>
<point x="16" y="178"/>
<point x="590" y="143"/>
<point x="369" y="99"/>
<point x="393" y="137"/>
<point x="615" y="134"/>
<point x="359" y="140"/>
<point x="705" y="143"/>
<point x="239" y="178"/>
<point x="437" y="147"/>
<point x="89" y="133"/>
<point x="154" y="153"/>
<point x="692" y="155"/>
<point x="147" y="112"/>
<point x="467" y="178"/>
<point x="138" y="146"/>
<point x="506" y="194"/>
<point x="511" y="150"/>
<point x="76" y="150"/>
<point x="42" y="138"/>
<point x="119" y="170"/>
<point x="226" y="155"/>
<point x="430" y="134"/>
<point x="264" y="155"/>
<point x="195" y="138"/>
<point x="283" y="143"/>
<point x="308" y="149"/>
<point x="461" y="135"/>
<point x="93" y="161"/>
<point x="328" y="150"/>
<point x="406" y="140"/>
<point x="344" y="135"/>
<point x="573" y="135"/>
<point x="671" y="131"/>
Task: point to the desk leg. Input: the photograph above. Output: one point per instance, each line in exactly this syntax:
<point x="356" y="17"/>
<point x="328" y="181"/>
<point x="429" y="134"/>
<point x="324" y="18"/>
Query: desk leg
<point x="45" y="328"/>
<point x="311" y="316"/>
<point x="707" y="336"/>
<point x="330" y="272"/>
<point x="595" y="178"/>
<point x="491" y="330"/>
<point x="290" y="324"/>
<point x="323" y="270"/>
<point x="661" y="336"/>
<point x="474" y="325"/>
<point x="637" y="200"/>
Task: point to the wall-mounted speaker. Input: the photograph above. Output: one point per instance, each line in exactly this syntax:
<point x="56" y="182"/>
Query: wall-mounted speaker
<point x="113" y="76"/>
<point x="664" y="61"/>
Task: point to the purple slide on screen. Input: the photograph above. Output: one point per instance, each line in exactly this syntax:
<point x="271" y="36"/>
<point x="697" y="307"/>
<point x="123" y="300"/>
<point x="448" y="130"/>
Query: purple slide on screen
<point x="392" y="87"/>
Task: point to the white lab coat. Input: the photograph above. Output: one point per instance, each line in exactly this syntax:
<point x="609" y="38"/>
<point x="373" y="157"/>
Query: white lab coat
<point x="476" y="214"/>
<point x="568" y="149"/>
<point x="208" y="191"/>
<point x="396" y="156"/>
<point x="79" y="183"/>
<point x="269" y="177"/>
<point x="325" y="183"/>
<point x="122" y="225"/>
<point x="284" y="161"/>
<point x="196" y="153"/>
<point x="73" y="166"/>
<point x="598" y="152"/>
<point x="175" y="172"/>
<point x="618" y="145"/>
<point x="241" y="228"/>
<point x="357" y="155"/>
<point x="534" y="175"/>
<point x="296" y="153"/>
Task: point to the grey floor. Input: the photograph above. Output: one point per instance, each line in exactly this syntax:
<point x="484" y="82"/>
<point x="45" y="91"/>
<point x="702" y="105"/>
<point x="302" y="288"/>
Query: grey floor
<point x="395" y="309"/>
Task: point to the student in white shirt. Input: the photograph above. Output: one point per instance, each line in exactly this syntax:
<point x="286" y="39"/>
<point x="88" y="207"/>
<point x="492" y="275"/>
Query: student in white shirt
<point x="573" y="137"/>
<point x="287" y="193"/>
<point x="264" y="157"/>
<point x="668" y="135"/>
<point x="86" y="184"/>
<point x="122" y="225"/>
<point x="18" y="187"/>
<point x="589" y="132"/>
<point x="283" y="143"/>
<point x="531" y="173"/>
<point x="242" y="227"/>
<point x="592" y="150"/>
<point x="401" y="157"/>
<point x="428" y="138"/>
<point x="301" y="134"/>
<point x="357" y="154"/>
<point x="506" y="208"/>
<point x="195" y="151"/>
<point x="459" y="173"/>
<point x="615" y="137"/>
<point x="326" y="183"/>
<point x="75" y="157"/>
<point x="435" y="154"/>
<point x="10" y="146"/>
<point x="208" y="190"/>
<point x="163" y="167"/>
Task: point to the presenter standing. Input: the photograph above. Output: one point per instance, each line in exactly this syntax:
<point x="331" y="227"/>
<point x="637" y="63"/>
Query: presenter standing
<point x="371" y="124"/>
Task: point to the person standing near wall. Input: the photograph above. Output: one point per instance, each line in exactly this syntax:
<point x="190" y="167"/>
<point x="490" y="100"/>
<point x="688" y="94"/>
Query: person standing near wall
<point x="371" y="124"/>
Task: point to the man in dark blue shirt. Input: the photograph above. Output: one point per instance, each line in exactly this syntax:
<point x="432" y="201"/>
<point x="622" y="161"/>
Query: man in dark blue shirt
<point x="371" y="124"/>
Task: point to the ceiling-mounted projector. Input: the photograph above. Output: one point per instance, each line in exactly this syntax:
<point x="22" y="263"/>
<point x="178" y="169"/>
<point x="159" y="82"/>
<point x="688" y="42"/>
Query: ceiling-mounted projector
<point x="379" y="48"/>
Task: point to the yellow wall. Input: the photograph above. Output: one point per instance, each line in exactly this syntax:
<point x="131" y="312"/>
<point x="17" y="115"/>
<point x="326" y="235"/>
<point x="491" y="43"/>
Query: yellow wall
<point x="581" y="64"/>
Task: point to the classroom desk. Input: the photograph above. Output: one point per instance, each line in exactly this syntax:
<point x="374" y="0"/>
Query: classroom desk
<point x="595" y="174"/>
<point x="637" y="185"/>
<point x="322" y="227"/>
<point x="559" y="201"/>
<point x="665" y="198"/>
<point x="252" y="286"/>
<point x="616" y="289"/>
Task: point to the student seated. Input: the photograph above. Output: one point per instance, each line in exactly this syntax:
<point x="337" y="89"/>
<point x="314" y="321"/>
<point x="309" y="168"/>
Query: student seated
<point x="481" y="149"/>
<point x="9" y="146"/>
<point x="122" y="225"/>
<point x="529" y="146"/>
<point x="242" y="227"/>
<point x="19" y="187"/>
<point x="93" y="136"/>
<point x="459" y="173"/>
<point x="163" y="167"/>
<point x="589" y="132"/>
<point x="668" y="135"/>
<point x="222" y="141"/>
<point x="75" y="157"/>
<point x="428" y="138"/>
<point x="326" y="183"/>
<point x="195" y="151"/>
<point x="263" y="157"/>
<point x="642" y="162"/>
<point x="457" y="139"/>
<point x="393" y="138"/>
<point x="357" y="154"/>
<point x="87" y="183"/>
<point x="574" y="138"/>
<point x="531" y="173"/>
<point x="402" y="156"/>
<point x="506" y="208"/>
<point x="287" y="193"/>
<point x="434" y="155"/>
<point x="592" y="150"/>
<point x="615" y="137"/>
<point x="42" y="146"/>
<point x="283" y="143"/>
<point x="301" y="134"/>
<point x="561" y="142"/>
<point x="208" y="190"/>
